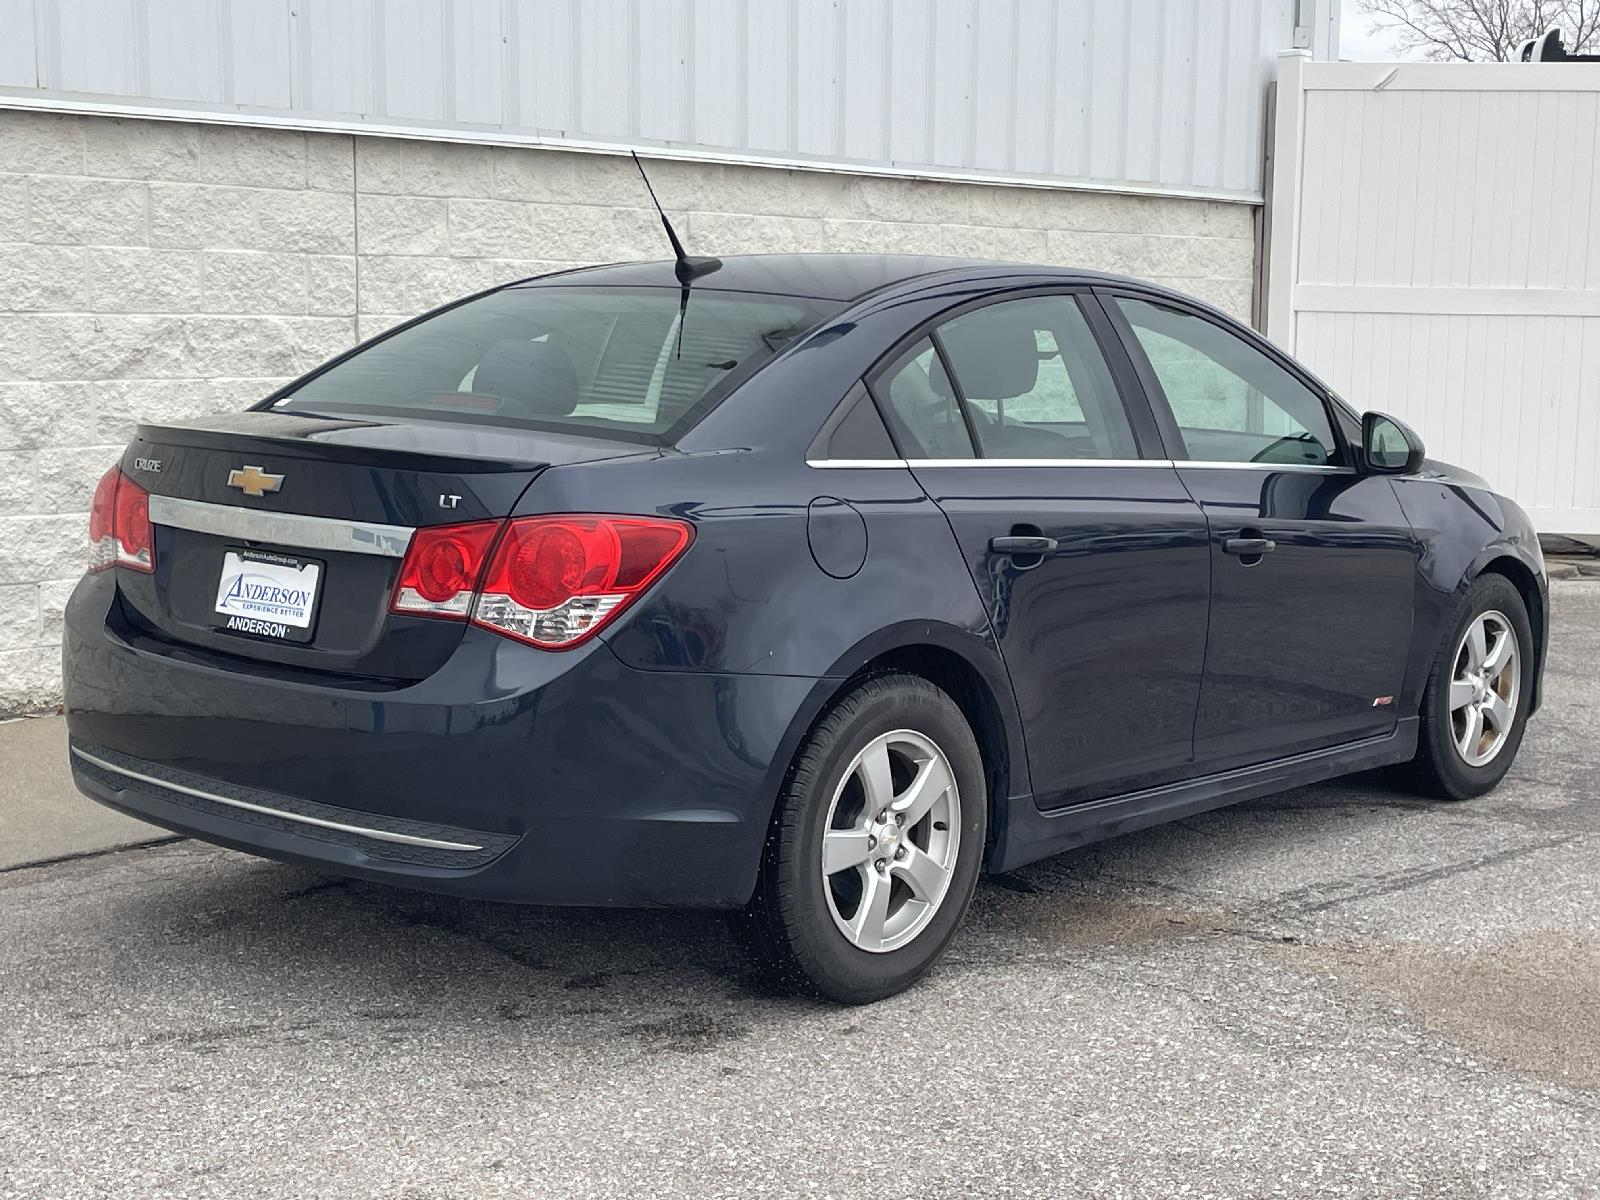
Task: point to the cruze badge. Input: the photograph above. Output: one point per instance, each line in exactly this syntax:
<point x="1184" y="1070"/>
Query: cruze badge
<point x="253" y="481"/>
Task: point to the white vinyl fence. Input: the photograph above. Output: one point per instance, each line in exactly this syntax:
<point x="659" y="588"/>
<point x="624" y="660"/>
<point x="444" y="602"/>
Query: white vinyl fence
<point x="1434" y="252"/>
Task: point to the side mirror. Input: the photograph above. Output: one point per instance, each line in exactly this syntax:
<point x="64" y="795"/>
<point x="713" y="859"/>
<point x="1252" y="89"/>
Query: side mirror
<point x="1389" y="446"/>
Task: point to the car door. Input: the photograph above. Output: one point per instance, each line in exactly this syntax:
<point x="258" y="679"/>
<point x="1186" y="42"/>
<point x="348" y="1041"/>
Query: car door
<point x="1313" y="566"/>
<point x="1088" y="552"/>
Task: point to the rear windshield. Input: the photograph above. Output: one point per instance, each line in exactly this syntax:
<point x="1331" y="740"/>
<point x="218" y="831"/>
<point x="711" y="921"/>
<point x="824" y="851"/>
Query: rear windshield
<point x="631" y="363"/>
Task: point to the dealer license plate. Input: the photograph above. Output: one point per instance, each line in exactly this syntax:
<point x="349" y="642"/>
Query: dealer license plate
<point x="267" y="595"/>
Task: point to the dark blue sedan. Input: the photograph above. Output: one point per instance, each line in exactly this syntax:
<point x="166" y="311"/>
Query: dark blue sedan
<point x="807" y="586"/>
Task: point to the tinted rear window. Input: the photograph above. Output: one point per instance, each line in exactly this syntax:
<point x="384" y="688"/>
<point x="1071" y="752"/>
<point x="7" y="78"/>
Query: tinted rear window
<point x="611" y="362"/>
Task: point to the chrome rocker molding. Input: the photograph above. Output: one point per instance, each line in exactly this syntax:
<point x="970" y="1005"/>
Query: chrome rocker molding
<point x="282" y="529"/>
<point x="382" y="835"/>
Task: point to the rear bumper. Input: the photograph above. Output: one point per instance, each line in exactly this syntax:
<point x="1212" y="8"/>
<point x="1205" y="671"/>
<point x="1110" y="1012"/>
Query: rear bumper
<point x="509" y="774"/>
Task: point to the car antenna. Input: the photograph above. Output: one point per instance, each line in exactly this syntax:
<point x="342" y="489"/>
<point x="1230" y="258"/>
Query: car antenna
<point x="686" y="268"/>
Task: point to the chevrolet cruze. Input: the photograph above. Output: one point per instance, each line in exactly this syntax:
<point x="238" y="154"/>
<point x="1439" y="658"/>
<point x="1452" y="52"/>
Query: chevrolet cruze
<point x="809" y="587"/>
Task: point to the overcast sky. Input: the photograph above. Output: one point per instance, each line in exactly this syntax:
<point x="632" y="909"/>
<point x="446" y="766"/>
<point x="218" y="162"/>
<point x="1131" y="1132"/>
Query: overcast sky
<point x="1359" y="40"/>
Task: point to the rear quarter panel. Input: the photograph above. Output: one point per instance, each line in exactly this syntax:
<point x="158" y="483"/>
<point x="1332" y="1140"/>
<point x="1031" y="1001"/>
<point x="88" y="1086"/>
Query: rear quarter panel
<point x="749" y="597"/>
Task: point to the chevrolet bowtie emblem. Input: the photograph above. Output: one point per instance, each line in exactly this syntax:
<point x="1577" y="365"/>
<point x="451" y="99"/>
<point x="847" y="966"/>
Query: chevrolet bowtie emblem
<point x="253" y="481"/>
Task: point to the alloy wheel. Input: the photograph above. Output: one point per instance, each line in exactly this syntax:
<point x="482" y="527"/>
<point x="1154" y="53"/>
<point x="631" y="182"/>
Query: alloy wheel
<point x="890" y="843"/>
<point x="1485" y="687"/>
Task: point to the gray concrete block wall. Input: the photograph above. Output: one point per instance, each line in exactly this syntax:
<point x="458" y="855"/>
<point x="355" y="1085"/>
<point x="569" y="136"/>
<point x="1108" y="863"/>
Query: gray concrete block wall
<point x="163" y="270"/>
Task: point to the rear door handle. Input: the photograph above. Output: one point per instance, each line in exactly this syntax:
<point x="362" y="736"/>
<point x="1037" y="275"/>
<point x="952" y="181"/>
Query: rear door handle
<point x="1249" y="546"/>
<point x="1022" y="545"/>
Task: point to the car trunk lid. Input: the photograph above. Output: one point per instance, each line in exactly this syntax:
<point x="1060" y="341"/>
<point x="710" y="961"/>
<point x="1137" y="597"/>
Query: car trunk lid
<point x="279" y="537"/>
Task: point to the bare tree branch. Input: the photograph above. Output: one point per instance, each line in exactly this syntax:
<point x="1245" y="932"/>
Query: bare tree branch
<point x="1483" y="30"/>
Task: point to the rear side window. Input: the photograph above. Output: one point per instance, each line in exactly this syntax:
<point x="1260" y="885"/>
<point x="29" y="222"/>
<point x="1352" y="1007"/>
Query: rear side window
<point x="921" y="406"/>
<point x="631" y="363"/>
<point x="1035" y="383"/>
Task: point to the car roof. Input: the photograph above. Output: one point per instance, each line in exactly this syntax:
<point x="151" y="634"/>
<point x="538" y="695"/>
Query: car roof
<point x="823" y="276"/>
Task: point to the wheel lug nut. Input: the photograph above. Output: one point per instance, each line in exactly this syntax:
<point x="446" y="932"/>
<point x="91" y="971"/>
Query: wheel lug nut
<point x="899" y="818"/>
<point x="872" y="842"/>
<point x="900" y="853"/>
<point x="880" y="864"/>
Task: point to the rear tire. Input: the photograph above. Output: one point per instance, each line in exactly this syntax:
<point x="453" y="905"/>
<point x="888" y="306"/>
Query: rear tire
<point x="1475" y="705"/>
<point x="852" y="907"/>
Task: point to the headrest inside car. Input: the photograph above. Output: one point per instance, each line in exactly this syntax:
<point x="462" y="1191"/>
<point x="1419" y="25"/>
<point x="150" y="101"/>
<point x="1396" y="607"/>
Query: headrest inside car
<point x="535" y="376"/>
<point x="994" y="358"/>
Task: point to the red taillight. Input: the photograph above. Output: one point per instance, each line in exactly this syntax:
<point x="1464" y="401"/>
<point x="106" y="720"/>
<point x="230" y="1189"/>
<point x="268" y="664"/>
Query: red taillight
<point x="440" y="574"/>
<point x="119" y="525"/>
<point x="556" y="581"/>
<point x="102" y="518"/>
<point x="552" y="582"/>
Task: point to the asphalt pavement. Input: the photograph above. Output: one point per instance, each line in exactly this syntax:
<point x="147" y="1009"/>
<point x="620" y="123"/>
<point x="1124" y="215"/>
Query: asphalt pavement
<point x="1339" y="991"/>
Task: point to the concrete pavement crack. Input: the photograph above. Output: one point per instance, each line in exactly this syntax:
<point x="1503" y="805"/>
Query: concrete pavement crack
<point x="58" y="860"/>
<point x="1413" y="879"/>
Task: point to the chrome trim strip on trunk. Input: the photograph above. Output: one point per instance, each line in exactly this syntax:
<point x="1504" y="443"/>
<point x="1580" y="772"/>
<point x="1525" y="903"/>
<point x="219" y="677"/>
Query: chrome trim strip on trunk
<point x="296" y="530"/>
<point x="382" y="835"/>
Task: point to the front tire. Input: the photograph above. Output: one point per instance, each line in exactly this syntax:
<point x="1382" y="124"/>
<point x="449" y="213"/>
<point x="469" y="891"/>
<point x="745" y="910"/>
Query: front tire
<point x="1475" y="706"/>
<point x="876" y="844"/>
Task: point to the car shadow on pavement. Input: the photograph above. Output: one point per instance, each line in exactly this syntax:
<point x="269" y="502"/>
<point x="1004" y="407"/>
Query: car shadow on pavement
<point x="264" y="927"/>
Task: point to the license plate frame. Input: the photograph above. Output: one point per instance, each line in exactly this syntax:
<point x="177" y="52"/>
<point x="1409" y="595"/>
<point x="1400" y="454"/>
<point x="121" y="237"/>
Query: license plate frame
<point x="268" y="616"/>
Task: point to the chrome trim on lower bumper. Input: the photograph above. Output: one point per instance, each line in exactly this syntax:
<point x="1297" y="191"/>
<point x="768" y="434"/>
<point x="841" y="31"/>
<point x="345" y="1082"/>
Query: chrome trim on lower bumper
<point x="297" y="530"/>
<point x="382" y="835"/>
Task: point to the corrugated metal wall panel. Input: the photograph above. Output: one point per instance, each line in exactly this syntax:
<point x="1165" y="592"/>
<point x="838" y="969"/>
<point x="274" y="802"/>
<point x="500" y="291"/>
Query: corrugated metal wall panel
<point x="98" y="46"/>
<point x="336" y="57"/>
<point x="175" y="29"/>
<point x="664" y="26"/>
<point x="410" y="67"/>
<point x="19" y="45"/>
<point x="769" y="81"/>
<point x="478" y="60"/>
<point x="1157" y="94"/>
<point x="257" y="53"/>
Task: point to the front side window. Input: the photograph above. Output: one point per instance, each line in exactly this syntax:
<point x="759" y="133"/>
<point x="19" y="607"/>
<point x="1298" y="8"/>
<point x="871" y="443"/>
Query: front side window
<point x="1035" y="383"/>
<point x="626" y="362"/>
<point x="1230" y="401"/>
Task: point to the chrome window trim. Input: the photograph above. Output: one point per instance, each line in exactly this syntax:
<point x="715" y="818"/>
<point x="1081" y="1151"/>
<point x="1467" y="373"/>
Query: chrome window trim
<point x="861" y="464"/>
<point x="902" y="463"/>
<point x="296" y="530"/>
<point x="382" y="835"/>
<point x="1207" y="465"/>
<point x="1041" y="462"/>
<point x="1315" y="468"/>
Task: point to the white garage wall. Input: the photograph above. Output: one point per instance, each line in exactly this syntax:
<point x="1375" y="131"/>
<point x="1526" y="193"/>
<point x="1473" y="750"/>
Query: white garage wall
<point x="1435" y="253"/>
<point x="162" y="270"/>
